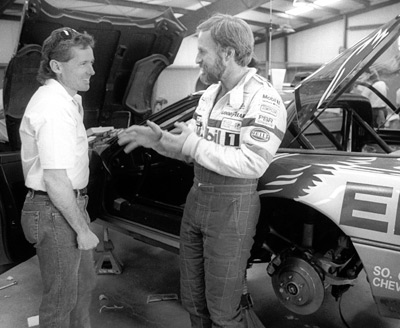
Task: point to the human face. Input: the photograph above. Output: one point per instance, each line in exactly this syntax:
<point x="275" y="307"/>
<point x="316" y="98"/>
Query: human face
<point x="75" y="74"/>
<point x="212" y="66"/>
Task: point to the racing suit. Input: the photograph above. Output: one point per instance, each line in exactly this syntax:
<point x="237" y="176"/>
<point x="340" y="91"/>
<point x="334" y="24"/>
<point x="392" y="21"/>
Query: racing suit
<point x="233" y="143"/>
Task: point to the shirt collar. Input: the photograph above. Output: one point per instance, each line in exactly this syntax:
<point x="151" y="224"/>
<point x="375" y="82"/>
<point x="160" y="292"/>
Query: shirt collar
<point x="236" y="95"/>
<point x="57" y="86"/>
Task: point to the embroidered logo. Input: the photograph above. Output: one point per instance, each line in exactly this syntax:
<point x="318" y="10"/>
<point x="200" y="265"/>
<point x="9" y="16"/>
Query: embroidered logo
<point x="260" y="134"/>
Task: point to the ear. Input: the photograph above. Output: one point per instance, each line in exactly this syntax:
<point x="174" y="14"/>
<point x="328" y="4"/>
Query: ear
<point x="229" y="53"/>
<point x="55" y="66"/>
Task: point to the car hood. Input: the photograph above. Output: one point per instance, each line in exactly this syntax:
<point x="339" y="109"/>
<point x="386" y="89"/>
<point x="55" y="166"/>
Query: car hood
<point x="129" y="56"/>
<point x="331" y="80"/>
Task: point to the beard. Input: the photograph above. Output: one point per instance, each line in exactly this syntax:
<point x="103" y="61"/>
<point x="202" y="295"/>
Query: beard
<point x="212" y="74"/>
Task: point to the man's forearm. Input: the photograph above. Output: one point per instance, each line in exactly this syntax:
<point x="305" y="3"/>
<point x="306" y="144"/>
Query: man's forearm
<point x="168" y="146"/>
<point x="63" y="197"/>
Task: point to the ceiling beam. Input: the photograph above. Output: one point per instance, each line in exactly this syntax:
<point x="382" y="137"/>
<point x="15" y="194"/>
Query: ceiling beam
<point x="334" y="19"/>
<point x="282" y="14"/>
<point x="261" y="24"/>
<point x="141" y="5"/>
<point x="366" y="3"/>
<point x="330" y="10"/>
<point x="231" y="7"/>
<point x="364" y="27"/>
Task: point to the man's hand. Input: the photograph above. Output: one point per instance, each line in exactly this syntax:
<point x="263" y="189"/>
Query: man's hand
<point x="87" y="240"/>
<point x="175" y="140"/>
<point x="138" y="135"/>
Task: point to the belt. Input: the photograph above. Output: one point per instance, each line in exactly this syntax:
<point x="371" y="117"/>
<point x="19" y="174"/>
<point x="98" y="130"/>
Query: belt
<point x="78" y="192"/>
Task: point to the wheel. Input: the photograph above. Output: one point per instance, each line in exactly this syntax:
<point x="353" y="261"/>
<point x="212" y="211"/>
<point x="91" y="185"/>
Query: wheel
<point x="298" y="286"/>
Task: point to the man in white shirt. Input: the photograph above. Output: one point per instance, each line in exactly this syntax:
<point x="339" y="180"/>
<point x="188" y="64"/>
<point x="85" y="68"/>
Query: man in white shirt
<point x="55" y="162"/>
<point x="380" y="110"/>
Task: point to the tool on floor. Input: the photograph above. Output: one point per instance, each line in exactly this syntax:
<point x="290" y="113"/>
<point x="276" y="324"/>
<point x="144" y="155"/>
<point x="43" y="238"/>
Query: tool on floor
<point x="105" y="304"/>
<point x="161" y="297"/>
<point x="9" y="285"/>
<point x="108" y="263"/>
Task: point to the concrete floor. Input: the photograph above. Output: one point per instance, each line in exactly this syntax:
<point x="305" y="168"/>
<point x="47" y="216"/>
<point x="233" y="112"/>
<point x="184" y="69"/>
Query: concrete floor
<point x="150" y="271"/>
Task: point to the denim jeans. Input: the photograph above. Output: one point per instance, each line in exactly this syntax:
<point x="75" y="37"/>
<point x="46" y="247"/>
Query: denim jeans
<point x="68" y="274"/>
<point x="216" y="237"/>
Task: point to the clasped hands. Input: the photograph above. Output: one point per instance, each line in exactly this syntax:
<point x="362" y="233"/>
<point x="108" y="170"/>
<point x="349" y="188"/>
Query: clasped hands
<point x="150" y="137"/>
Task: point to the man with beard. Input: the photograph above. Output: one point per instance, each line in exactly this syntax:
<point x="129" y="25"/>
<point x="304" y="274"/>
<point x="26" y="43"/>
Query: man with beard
<point x="235" y="131"/>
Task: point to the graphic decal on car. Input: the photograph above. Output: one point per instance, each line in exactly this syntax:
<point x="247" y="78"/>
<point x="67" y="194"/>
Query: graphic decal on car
<point x="343" y="191"/>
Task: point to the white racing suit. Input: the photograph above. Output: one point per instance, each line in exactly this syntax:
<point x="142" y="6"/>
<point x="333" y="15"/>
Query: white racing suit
<point x="234" y="142"/>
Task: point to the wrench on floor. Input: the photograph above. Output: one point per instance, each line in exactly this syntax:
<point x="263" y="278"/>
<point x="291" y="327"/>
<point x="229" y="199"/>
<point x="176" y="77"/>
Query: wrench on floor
<point x="9" y="285"/>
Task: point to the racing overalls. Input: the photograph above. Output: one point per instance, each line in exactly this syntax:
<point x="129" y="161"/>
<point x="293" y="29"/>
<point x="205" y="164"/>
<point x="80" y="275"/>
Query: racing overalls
<point x="234" y="142"/>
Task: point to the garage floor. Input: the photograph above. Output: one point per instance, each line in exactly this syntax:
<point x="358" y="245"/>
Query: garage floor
<point x="149" y="271"/>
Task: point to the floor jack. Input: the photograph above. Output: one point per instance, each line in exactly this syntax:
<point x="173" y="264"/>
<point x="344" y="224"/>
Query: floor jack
<point x="108" y="263"/>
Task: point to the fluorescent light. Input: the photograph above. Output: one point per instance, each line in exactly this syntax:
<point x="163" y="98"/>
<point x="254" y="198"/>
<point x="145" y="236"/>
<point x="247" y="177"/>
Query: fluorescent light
<point x="299" y="10"/>
<point x="325" y="2"/>
<point x="300" y="3"/>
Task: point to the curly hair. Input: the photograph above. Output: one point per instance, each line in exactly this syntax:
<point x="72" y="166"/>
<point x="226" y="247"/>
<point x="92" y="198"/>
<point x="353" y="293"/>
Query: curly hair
<point x="229" y="31"/>
<point x="58" y="47"/>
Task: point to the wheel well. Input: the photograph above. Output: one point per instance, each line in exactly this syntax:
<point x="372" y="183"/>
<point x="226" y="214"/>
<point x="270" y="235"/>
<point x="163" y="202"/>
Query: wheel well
<point x="293" y="220"/>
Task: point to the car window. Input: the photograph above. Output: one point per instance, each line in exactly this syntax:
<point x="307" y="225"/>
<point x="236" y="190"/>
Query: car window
<point x="332" y="119"/>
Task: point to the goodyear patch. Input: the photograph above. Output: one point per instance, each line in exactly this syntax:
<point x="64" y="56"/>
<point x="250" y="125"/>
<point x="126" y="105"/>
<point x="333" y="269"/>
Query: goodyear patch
<point x="265" y="120"/>
<point x="269" y="110"/>
<point x="232" y="125"/>
<point x="232" y="113"/>
<point x="260" y="134"/>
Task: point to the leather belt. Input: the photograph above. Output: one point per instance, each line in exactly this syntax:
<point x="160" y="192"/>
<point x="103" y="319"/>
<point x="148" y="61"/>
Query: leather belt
<point x="78" y="192"/>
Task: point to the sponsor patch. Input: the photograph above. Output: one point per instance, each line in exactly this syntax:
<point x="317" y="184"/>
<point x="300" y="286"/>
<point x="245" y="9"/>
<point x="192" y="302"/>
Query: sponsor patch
<point x="265" y="120"/>
<point x="232" y="125"/>
<point x="269" y="110"/>
<point x="260" y="134"/>
<point x="271" y="100"/>
<point x="232" y="113"/>
<point x="223" y="137"/>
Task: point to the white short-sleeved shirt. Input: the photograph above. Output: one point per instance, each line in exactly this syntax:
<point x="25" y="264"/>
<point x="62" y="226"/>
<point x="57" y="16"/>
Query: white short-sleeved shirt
<point x="375" y="101"/>
<point x="53" y="137"/>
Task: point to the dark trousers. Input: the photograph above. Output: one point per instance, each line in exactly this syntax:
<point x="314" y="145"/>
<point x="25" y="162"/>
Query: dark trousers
<point x="216" y="237"/>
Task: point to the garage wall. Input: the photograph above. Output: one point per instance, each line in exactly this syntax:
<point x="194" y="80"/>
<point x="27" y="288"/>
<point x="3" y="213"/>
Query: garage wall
<point x="309" y="48"/>
<point x="379" y="16"/>
<point x="8" y="40"/>
<point x="317" y="45"/>
<point x="176" y="82"/>
<point x="306" y="51"/>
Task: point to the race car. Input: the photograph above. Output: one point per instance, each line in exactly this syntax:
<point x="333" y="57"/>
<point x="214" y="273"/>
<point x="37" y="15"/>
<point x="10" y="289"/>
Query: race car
<point x="330" y="198"/>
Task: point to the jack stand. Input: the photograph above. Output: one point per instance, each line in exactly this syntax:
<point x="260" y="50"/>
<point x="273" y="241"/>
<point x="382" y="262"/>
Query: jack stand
<point x="108" y="263"/>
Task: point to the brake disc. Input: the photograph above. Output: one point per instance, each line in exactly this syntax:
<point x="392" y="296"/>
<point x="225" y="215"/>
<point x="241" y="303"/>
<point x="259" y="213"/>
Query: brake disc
<point x="298" y="286"/>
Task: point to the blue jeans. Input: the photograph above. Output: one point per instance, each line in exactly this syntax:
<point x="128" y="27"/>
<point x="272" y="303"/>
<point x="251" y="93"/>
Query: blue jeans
<point x="68" y="274"/>
<point x="216" y="237"/>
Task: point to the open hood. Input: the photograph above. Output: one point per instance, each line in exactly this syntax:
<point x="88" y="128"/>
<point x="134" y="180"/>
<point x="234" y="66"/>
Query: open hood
<point x="129" y="56"/>
<point x="379" y="50"/>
